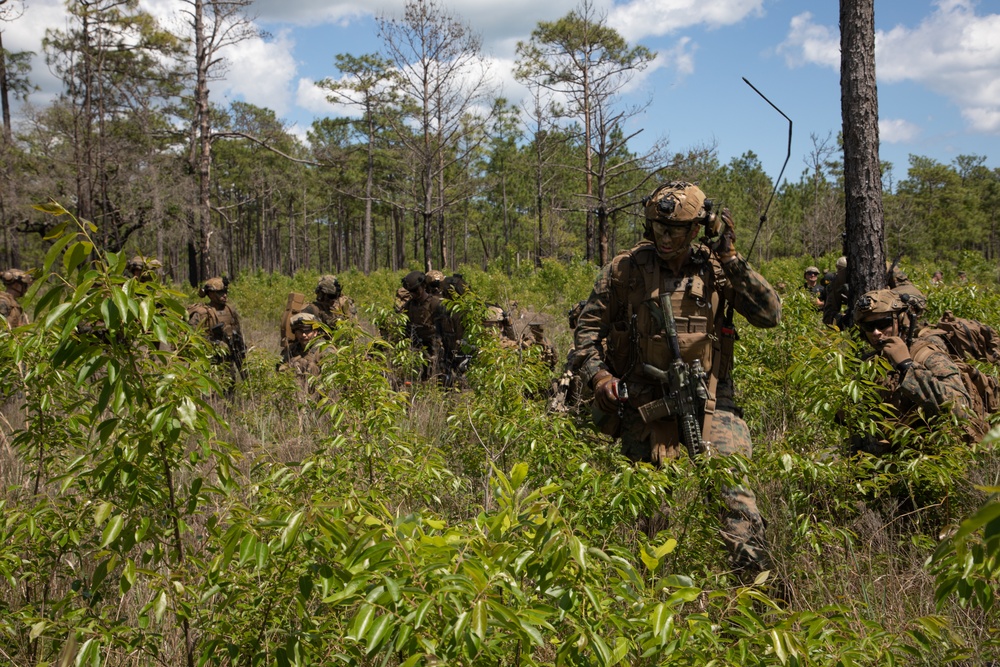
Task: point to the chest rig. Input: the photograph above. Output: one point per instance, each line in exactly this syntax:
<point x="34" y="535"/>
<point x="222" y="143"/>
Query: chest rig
<point x="638" y="334"/>
<point x="695" y="298"/>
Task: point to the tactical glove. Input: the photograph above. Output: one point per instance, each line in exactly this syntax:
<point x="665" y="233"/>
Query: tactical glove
<point x="895" y="350"/>
<point x="658" y="455"/>
<point x="725" y="247"/>
<point x="606" y="392"/>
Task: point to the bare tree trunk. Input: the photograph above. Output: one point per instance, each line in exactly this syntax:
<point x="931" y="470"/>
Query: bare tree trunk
<point x="292" y="259"/>
<point x="864" y="222"/>
<point x="4" y="93"/>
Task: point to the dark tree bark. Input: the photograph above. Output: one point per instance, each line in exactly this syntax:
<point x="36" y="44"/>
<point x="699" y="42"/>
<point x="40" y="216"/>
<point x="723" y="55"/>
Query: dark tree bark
<point x="864" y="223"/>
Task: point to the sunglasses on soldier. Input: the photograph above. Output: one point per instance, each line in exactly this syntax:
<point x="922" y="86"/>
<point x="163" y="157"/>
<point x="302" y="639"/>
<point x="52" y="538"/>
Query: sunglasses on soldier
<point x="673" y="230"/>
<point x="882" y="324"/>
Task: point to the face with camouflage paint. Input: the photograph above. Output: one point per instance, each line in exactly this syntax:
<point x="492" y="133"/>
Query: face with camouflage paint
<point x="672" y="239"/>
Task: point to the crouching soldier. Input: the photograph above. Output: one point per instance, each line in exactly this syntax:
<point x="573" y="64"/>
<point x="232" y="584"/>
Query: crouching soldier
<point x="300" y="356"/>
<point x="924" y="377"/>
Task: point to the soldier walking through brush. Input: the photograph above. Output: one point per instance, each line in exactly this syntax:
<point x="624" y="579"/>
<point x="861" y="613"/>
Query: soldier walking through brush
<point x="221" y="324"/>
<point x="428" y="325"/>
<point x="655" y="344"/>
<point x="331" y="304"/>
<point x="16" y="283"/>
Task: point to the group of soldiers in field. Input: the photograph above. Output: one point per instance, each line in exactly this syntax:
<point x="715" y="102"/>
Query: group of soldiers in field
<point x="653" y="344"/>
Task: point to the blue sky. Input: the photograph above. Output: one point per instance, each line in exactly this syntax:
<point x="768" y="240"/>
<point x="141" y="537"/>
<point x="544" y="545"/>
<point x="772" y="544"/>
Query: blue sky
<point x="938" y="65"/>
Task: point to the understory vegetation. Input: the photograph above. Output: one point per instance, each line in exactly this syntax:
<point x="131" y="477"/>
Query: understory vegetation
<point x="148" y="520"/>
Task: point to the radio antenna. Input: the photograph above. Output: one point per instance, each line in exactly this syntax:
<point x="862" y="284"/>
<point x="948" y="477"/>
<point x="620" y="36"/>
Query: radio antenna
<point x="777" y="182"/>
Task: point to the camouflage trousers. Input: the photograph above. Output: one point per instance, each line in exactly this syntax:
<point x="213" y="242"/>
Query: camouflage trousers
<point x="742" y="525"/>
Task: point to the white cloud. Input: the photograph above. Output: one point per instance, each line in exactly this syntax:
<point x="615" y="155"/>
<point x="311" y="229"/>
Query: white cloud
<point x="953" y="52"/>
<point x="262" y="72"/>
<point x="25" y="34"/>
<point x="897" y="131"/>
<point x="312" y="98"/>
<point x="811" y="44"/>
<point x="644" y="18"/>
<point x="497" y="21"/>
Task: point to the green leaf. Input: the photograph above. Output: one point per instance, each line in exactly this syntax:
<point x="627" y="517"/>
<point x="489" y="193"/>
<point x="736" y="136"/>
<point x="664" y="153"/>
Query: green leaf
<point x="779" y="647"/>
<point x="187" y="412"/>
<point x="362" y="621"/>
<point x="51" y="206"/>
<point x="37" y="629"/>
<point x="76" y="255"/>
<point x="621" y="650"/>
<point x="650" y="561"/>
<point x="479" y="619"/>
<point x="305" y="586"/>
<point x="102" y="513"/>
<point x="146" y="310"/>
<point x="90" y="654"/>
<point x="518" y="474"/>
<point x="665" y="548"/>
<point x="291" y="530"/>
<point x="377" y="633"/>
<point x="659" y="619"/>
<point x="579" y="552"/>
<point x="112" y="530"/>
<point x="160" y="606"/>
<point x="603" y="650"/>
<point x="53" y="254"/>
<point x="122" y="302"/>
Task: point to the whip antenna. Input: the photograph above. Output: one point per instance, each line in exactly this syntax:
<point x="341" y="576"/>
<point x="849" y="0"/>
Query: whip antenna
<point x="777" y="182"/>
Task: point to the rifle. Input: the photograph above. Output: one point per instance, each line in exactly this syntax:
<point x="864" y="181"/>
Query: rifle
<point x="236" y="346"/>
<point x="684" y="390"/>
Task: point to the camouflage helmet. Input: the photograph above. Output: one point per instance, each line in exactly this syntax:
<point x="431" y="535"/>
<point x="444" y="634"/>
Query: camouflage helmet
<point x="434" y="278"/>
<point x="879" y="304"/>
<point x="841" y="262"/>
<point x="17" y="276"/>
<point x="413" y="280"/>
<point x="328" y="285"/>
<point x="140" y="262"/>
<point x="494" y="316"/>
<point x="216" y="284"/>
<point x="677" y="201"/>
<point x="811" y="269"/>
<point x="303" y="322"/>
<point x="455" y="281"/>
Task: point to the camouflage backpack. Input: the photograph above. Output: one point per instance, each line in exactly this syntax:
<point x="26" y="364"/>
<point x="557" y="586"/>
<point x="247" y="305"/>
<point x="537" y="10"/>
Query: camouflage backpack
<point x="969" y="341"/>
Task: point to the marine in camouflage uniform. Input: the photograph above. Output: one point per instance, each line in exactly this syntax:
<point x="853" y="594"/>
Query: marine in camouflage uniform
<point x="812" y="286"/>
<point x="331" y="305"/>
<point x="434" y="282"/>
<point x="221" y="324"/>
<point x="300" y="357"/>
<point x="924" y="376"/>
<point x="16" y="283"/>
<point x="143" y="269"/>
<point x="838" y="293"/>
<point x="535" y="337"/>
<point x="569" y="391"/>
<point x="428" y="324"/>
<point x="498" y="323"/>
<point x="622" y="328"/>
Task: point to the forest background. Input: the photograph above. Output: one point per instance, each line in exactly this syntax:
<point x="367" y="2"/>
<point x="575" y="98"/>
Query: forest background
<point x="434" y="171"/>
